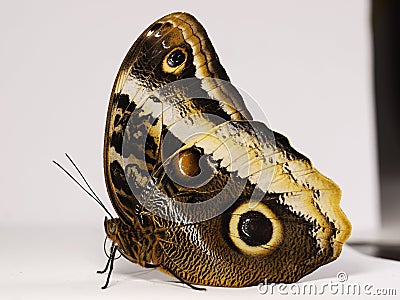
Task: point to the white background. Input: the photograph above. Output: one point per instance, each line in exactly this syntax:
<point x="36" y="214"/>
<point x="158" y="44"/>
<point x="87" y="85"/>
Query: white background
<point x="307" y="63"/>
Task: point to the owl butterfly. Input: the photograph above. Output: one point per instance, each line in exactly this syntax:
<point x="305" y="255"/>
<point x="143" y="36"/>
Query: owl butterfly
<point x="202" y="191"/>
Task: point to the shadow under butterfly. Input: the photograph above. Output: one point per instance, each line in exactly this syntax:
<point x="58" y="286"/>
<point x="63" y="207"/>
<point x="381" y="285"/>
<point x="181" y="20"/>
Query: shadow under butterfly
<point x="203" y="192"/>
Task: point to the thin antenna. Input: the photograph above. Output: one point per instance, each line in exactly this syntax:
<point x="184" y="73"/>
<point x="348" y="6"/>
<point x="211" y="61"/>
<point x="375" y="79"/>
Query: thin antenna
<point x="83" y="177"/>
<point x="94" y="196"/>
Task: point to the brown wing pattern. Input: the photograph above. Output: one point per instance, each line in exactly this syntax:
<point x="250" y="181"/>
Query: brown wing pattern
<point x="273" y="215"/>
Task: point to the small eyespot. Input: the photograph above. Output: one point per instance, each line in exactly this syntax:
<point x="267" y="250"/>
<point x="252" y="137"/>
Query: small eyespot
<point x="176" y="58"/>
<point x="174" y="61"/>
<point x="255" y="230"/>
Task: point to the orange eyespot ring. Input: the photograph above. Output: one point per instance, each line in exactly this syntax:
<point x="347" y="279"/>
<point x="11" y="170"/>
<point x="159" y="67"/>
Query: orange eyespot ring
<point x="189" y="163"/>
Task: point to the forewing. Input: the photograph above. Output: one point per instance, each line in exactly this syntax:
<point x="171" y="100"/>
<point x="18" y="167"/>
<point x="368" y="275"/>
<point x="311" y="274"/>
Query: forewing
<point x="145" y="69"/>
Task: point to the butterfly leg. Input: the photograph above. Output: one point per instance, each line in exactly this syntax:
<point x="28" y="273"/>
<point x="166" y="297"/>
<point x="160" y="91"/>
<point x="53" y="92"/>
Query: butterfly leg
<point x="110" y="263"/>
<point x="106" y="267"/>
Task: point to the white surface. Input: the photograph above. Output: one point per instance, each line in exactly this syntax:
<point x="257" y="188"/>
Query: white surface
<point x="60" y="263"/>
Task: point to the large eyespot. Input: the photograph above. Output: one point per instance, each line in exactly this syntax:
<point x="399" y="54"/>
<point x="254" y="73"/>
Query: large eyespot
<point x="174" y="61"/>
<point x="255" y="230"/>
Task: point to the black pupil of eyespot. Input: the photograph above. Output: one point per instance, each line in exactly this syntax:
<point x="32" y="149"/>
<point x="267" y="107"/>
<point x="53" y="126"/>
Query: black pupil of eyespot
<point x="176" y="58"/>
<point x="254" y="228"/>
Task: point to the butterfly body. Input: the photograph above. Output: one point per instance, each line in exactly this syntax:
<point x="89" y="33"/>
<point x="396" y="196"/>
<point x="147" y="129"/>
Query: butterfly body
<point x="202" y="191"/>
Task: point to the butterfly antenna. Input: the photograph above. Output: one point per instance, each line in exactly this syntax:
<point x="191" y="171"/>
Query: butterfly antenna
<point x="93" y="196"/>
<point x="83" y="177"/>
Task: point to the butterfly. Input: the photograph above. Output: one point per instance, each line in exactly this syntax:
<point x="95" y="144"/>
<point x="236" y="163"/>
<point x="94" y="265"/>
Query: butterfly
<point x="202" y="191"/>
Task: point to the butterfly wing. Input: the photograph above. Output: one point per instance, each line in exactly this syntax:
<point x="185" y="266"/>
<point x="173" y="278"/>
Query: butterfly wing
<point x="283" y="224"/>
<point x="232" y="202"/>
<point x="172" y="48"/>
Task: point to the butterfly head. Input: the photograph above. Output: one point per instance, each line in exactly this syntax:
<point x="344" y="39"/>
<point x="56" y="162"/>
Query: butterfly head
<point x="112" y="227"/>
